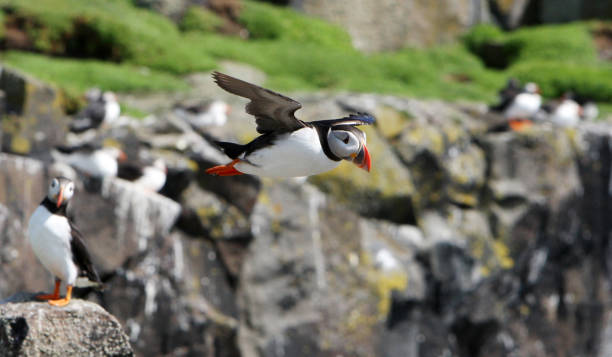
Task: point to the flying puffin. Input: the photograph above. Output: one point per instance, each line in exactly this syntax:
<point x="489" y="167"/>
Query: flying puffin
<point x="289" y="147"/>
<point x="58" y="244"/>
<point x="91" y="159"/>
<point x="102" y="108"/>
<point x="201" y="115"/>
<point x="151" y="177"/>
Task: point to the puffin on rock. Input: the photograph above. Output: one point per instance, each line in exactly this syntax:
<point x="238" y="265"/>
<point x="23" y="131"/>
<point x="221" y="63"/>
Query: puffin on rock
<point x="289" y="147"/>
<point x="58" y="244"/>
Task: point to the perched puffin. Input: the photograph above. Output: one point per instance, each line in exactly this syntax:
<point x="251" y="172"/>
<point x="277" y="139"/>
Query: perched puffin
<point x="289" y="147"/>
<point x="151" y="177"/>
<point x="102" y="108"/>
<point x="525" y="104"/>
<point x="201" y="115"/>
<point x="91" y="159"/>
<point x="517" y="105"/>
<point x="58" y="244"/>
<point x="565" y="111"/>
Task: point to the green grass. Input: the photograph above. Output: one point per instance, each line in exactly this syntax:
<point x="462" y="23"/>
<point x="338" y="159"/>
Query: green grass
<point x="200" y="19"/>
<point x="75" y="76"/>
<point x="146" y="51"/>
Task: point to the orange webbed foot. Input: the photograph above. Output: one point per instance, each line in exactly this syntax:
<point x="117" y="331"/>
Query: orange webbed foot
<point x="225" y="170"/>
<point x="64" y="301"/>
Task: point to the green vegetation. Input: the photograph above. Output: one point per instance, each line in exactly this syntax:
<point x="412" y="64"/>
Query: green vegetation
<point x="142" y="50"/>
<point x="75" y="76"/>
<point x="201" y="20"/>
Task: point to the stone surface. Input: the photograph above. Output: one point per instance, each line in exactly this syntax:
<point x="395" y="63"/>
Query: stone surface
<point x="459" y="242"/>
<point x="34" y="119"/>
<point x="390" y="25"/>
<point x="80" y="329"/>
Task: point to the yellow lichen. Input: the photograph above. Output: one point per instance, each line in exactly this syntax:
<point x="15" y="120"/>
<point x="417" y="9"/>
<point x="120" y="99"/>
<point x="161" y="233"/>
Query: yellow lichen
<point x="502" y="253"/>
<point x="20" y="145"/>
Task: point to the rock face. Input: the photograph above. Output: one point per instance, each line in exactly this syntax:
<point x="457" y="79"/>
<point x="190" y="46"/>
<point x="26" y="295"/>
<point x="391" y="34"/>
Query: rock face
<point x="80" y="329"/>
<point x="34" y="119"/>
<point x="461" y="241"/>
<point x="389" y="24"/>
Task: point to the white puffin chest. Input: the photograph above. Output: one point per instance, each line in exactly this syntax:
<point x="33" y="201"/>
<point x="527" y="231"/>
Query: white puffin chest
<point x="524" y="105"/>
<point x="50" y="236"/>
<point x="294" y="154"/>
<point x="98" y="163"/>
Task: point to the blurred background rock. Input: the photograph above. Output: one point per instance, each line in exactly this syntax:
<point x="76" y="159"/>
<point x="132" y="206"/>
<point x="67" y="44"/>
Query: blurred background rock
<point x="462" y="241"/>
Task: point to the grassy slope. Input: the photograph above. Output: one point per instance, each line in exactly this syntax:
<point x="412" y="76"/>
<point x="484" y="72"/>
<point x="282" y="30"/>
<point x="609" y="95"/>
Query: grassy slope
<point x="298" y="52"/>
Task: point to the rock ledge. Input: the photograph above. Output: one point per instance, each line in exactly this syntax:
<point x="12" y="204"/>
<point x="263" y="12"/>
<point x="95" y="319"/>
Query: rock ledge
<point x="38" y="329"/>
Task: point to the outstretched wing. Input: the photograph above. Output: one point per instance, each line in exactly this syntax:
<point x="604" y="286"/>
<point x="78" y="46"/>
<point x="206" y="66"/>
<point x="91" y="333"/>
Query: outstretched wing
<point x="81" y="257"/>
<point x="353" y="119"/>
<point x="273" y="112"/>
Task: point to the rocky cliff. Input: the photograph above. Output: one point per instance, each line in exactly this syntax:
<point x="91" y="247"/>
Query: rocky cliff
<point x="460" y="242"/>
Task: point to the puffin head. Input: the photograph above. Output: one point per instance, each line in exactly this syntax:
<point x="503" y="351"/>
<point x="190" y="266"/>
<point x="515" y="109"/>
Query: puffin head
<point x="532" y="88"/>
<point x="349" y="143"/>
<point x="61" y="190"/>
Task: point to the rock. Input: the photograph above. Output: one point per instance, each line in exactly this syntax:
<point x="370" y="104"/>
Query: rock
<point x="407" y="23"/>
<point x="180" y="299"/>
<point x="302" y="282"/>
<point x="35" y="119"/>
<point x="81" y="328"/>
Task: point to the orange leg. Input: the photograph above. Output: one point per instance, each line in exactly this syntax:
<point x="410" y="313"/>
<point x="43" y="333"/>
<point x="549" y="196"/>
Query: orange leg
<point x="55" y="294"/>
<point x="64" y="301"/>
<point x="225" y="170"/>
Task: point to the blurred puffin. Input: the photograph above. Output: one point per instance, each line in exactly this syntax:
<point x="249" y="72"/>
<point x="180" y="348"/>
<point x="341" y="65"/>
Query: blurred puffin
<point x="93" y="160"/>
<point x="58" y="244"/>
<point x="102" y="108"/>
<point x="201" y="115"/>
<point x="289" y="147"/>
<point x="565" y="111"/>
<point x="519" y="106"/>
<point x="151" y="177"/>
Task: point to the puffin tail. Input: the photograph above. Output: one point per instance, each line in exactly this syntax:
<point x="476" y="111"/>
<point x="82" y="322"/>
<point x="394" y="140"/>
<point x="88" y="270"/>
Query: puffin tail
<point x="231" y="149"/>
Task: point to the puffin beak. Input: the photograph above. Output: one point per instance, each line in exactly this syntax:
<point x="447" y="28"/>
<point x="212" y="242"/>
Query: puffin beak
<point x="122" y="157"/>
<point x="60" y="197"/>
<point x="362" y="160"/>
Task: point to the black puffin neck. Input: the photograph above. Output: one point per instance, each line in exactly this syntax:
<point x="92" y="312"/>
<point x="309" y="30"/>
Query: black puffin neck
<point x="322" y="131"/>
<point x="52" y="207"/>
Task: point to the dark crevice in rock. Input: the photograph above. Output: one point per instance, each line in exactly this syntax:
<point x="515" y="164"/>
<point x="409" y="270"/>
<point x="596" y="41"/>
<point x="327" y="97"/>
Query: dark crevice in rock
<point x="472" y="336"/>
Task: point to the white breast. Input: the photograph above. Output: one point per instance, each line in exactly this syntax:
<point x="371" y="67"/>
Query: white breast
<point x="50" y="236"/>
<point x="98" y="163"/>
<point x="566" y="114"/>
<point x="524" y="106"/>
<point x="111" y="112"/>
<point x="295" y="154"/>
<point x="152" y="179"/>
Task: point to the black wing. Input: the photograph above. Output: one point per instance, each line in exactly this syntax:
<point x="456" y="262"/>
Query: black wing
<point x="90" y="117"/>
<point x="129" y="171"/>
<point x="353" y="119"/>
<point x="85" y="148"/>
<point x="273" y="111"/>
<point x="80" y="256"/>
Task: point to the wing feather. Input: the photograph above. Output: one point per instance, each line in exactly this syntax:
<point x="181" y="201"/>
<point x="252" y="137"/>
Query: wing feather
<point x="352" y="119"/>
<point x="273" y="112"/>
<point x="81" y="256"/>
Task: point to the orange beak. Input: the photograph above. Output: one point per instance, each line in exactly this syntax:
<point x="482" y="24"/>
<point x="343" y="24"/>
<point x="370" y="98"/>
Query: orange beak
<point x="122" y="157"/>
<point x="362" y="160"/>
<point x="60" y="197"/>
